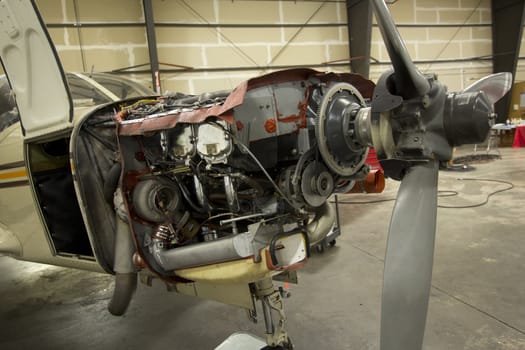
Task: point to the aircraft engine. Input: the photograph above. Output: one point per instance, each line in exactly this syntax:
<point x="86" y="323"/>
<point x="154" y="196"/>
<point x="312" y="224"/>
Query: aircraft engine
<point x="224" y="176"/>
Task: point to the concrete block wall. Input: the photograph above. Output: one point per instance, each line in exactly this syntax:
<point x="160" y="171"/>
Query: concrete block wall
<point x="102" y="49"/>
<point x="195" y="46"/>
<point x="435" y="38"/>
<point x="234" y="47"/>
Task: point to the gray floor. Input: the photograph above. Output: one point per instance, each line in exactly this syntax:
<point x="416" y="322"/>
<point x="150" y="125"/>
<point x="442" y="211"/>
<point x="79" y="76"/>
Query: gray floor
<point x="477" y="300"/>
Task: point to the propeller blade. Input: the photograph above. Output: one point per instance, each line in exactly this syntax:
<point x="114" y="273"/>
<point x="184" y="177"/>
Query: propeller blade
<point x="495" y="86"/>
<point x="409" y="258"/>
<point x="409" y="80"/>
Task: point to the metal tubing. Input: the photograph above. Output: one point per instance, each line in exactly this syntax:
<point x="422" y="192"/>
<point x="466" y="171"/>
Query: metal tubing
<point x="268" y="320"/>
<point x="233" y="247"/>
<point x="220" y="250"/>
<point x="249" y="25"/>
<point x="229" y="221"/>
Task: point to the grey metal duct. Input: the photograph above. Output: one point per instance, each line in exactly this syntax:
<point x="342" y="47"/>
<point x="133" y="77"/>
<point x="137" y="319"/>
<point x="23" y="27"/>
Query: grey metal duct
<point x="233" y="247"/>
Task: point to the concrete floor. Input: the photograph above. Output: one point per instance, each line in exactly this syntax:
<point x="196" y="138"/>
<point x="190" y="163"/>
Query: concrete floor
<point x="477" y="300"/>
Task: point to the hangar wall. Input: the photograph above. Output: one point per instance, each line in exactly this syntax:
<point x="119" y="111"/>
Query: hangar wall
<point x="449" y="37"/>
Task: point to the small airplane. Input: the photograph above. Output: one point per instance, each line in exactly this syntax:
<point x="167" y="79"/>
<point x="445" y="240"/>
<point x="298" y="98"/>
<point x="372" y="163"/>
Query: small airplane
<point x="218" y="194"/>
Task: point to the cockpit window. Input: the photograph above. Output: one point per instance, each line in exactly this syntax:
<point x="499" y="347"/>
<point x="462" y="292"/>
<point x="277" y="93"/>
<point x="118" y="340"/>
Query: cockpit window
<point x="84" y="93"/>
<point x="121" y="87"/>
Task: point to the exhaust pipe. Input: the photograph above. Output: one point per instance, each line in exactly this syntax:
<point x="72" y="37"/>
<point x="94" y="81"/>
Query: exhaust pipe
<point x="125" y="286"/>
<point x="125" y="274"/>
<point x="233" y="247"/>
<point x="220" y="250"/>
<point x="322" y="223"/>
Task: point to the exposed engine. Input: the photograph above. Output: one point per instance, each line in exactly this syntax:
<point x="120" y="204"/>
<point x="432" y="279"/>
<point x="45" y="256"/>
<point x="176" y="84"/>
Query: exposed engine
<point x="242" y="174"/>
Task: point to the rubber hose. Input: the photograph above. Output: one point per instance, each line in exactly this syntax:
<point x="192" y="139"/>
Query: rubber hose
<point x="125" y="274"/>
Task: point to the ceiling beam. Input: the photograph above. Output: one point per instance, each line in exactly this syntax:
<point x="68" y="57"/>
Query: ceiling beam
<point x="359" y="25"/>
<point x="152" y="45"/>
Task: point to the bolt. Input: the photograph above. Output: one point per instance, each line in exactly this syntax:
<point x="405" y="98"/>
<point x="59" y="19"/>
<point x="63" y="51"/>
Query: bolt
<point x="426" y="101"/>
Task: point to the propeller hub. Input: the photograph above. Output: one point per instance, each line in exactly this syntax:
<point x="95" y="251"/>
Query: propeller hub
<point x="408" y="132"/>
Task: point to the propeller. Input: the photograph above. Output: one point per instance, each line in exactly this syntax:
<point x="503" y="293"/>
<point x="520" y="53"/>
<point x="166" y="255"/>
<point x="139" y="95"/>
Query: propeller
<point x="409" y="257"/>
<point x="414" y="125"/>
<point x="495" y="86"/>
<point x="409" y="81"/>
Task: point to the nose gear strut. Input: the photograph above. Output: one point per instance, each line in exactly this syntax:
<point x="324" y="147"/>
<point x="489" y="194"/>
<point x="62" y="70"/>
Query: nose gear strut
<point x="271" y="299"/>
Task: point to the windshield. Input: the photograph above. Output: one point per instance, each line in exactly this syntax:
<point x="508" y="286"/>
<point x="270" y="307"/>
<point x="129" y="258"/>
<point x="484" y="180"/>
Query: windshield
<point x="82" y="92"/>
<point x="121" y="87"/>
